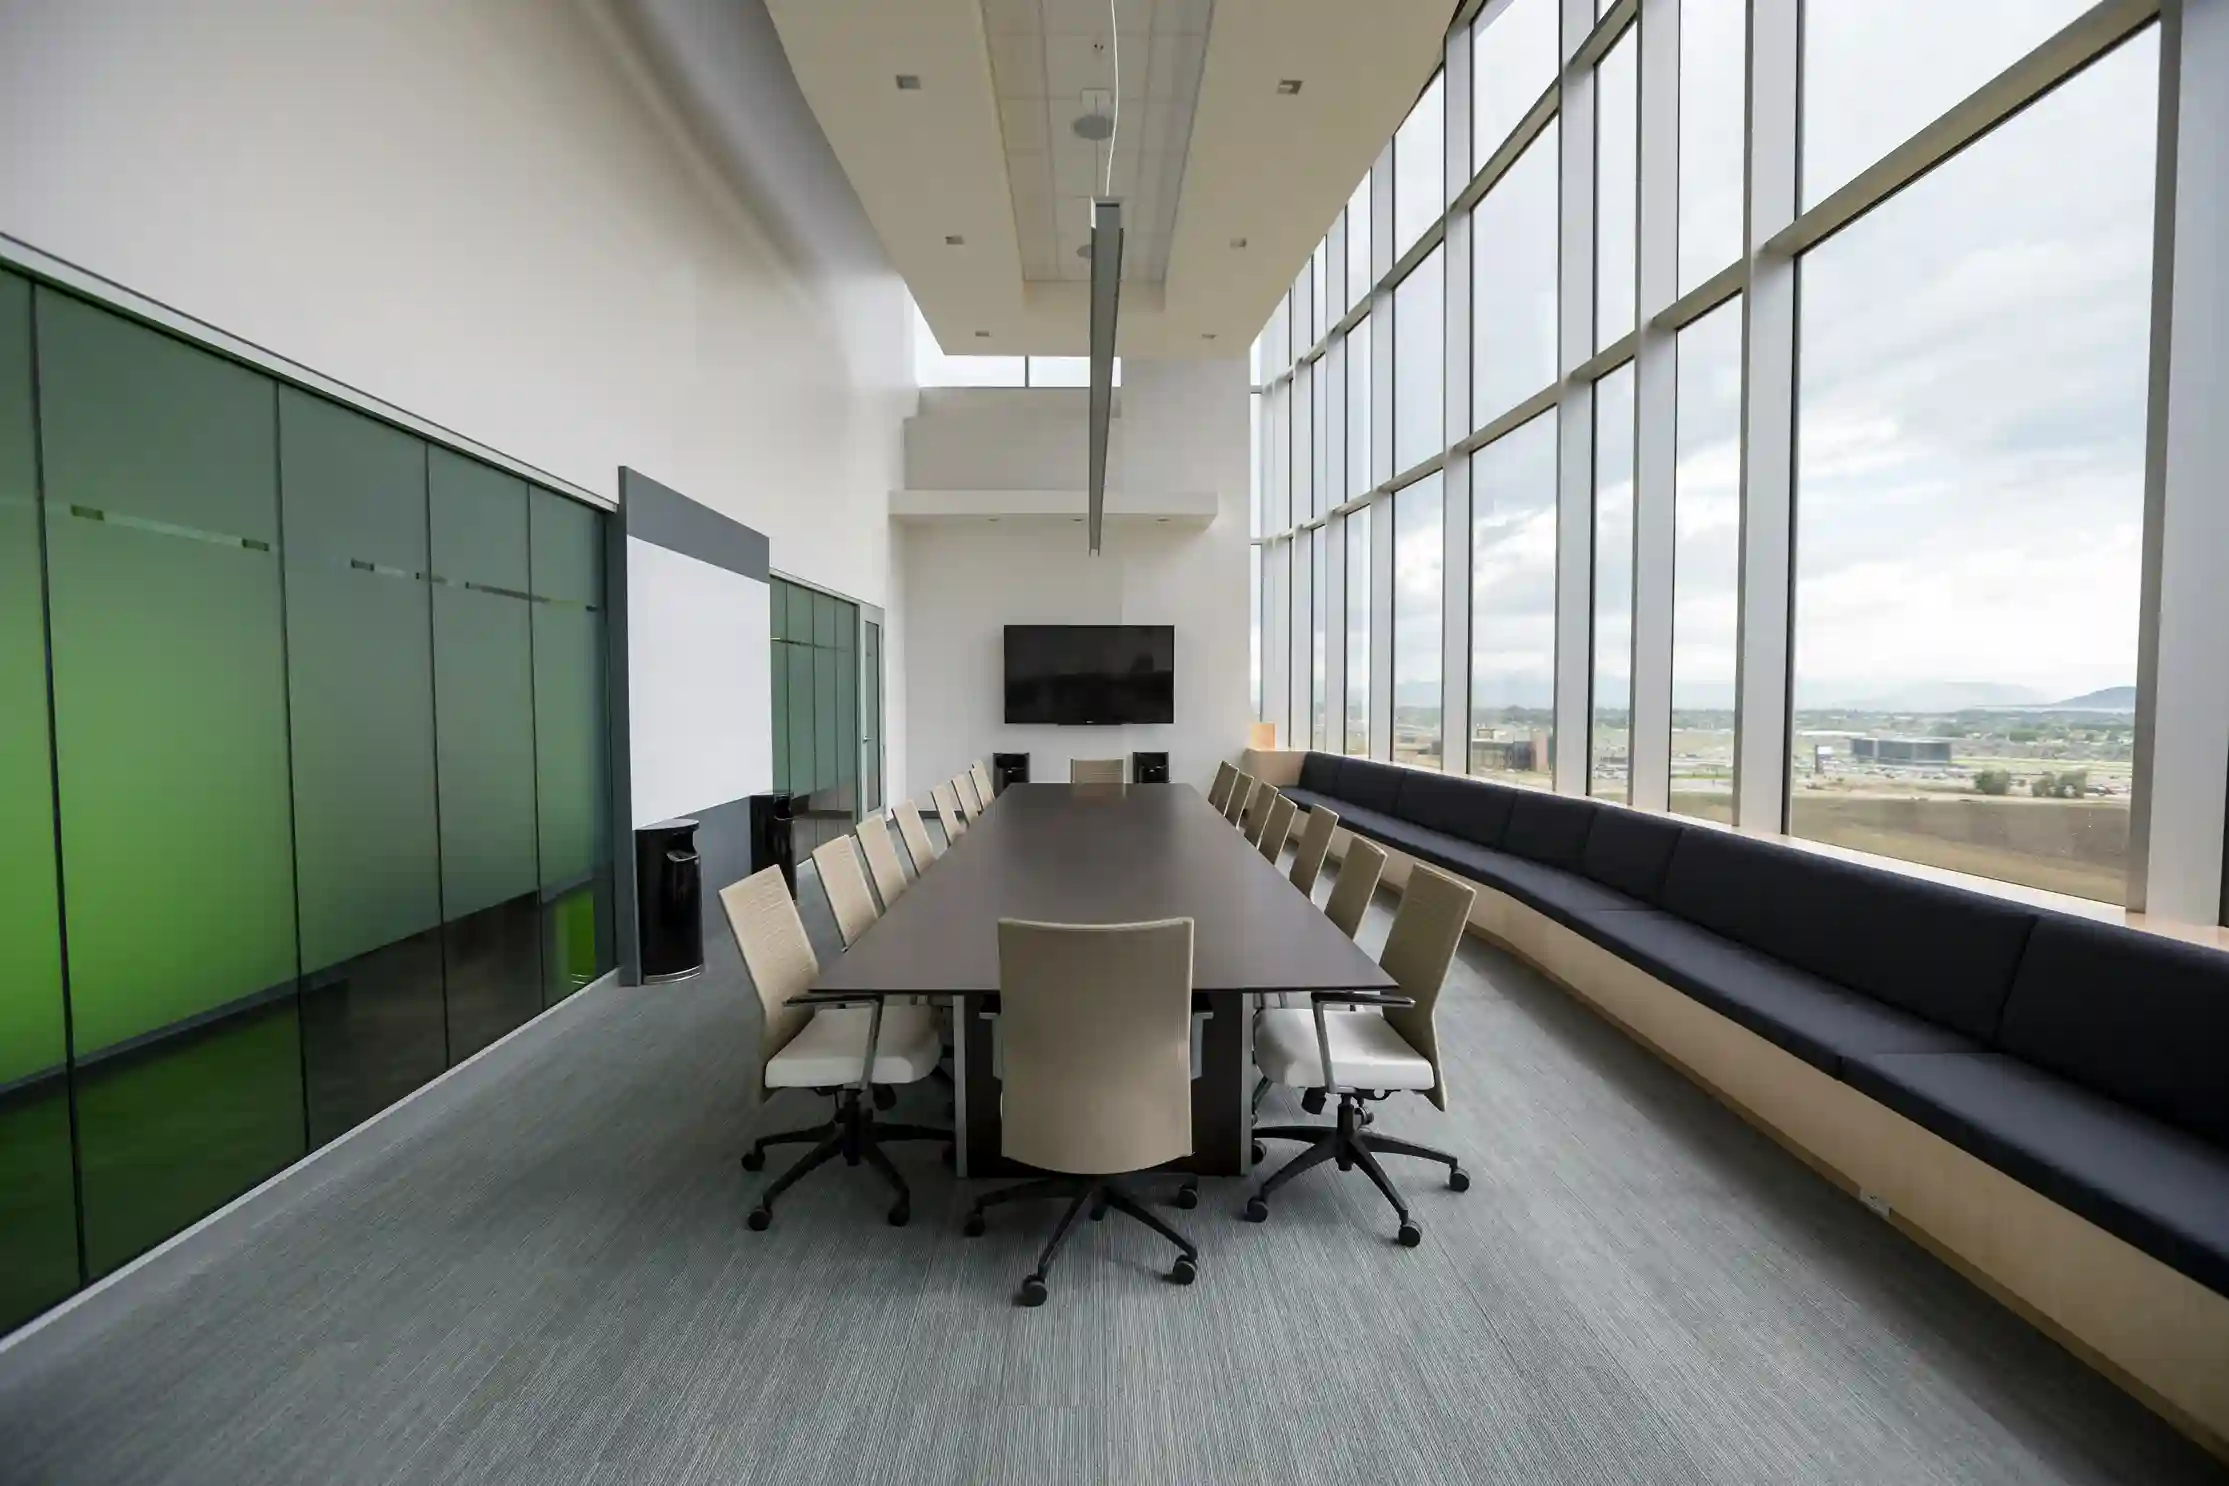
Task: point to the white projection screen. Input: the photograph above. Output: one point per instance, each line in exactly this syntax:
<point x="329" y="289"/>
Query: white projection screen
<point x="700" y="720"/>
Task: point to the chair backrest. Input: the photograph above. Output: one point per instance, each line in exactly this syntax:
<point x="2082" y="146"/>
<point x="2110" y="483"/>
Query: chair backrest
<point x="1242" y="792"/>
<point x="882" y="859"/>
<point x="1096" y="1021"/>
<point x="1219" y="793"/>
<point x="947" y="802"/>
<point x="1418" y="949"/>
<point x="775" y="950"/>
<point x="1277" y="827"/>
<point x="838" y="865"/>
<point x="1257" y="813"/>
<point x="1357" y="884"/>
<point x="1315" y="840"/>
<point x="1095" y="771"/>
<point x="963" y="790"/>
<point x="915" y="834"/>
<point x="982" y="783"/>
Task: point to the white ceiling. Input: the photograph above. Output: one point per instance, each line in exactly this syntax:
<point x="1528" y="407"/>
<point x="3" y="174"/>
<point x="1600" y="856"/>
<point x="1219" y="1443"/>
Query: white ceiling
<point x="1208" y="153"/>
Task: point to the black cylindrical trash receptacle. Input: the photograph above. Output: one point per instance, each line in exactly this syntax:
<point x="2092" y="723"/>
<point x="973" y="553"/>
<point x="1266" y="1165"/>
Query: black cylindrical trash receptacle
<point x="1149" y="768"/>
<point x="1008" y="768"/>
<point x="773" y="839"/>
<point x="669" y="900"/>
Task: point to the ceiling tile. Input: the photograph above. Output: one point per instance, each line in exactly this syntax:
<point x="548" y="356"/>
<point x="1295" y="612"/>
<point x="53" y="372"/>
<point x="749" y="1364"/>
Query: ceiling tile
<point x="1177" y="59"/>
<point x="1074" y="62"/>
<point x="1017" y="66"/>
<point x="1022" y="121"/>
<point x="1011" y="17"/>
<point x="1182" y="15"/>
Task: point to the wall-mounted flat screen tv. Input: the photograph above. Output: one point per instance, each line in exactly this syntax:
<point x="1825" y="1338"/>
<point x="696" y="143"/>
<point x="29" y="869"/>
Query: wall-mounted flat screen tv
<point x="1073" y="674"/>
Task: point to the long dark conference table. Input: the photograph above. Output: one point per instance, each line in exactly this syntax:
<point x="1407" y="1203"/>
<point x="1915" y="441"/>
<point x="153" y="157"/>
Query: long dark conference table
<point x="1103" y="854"/>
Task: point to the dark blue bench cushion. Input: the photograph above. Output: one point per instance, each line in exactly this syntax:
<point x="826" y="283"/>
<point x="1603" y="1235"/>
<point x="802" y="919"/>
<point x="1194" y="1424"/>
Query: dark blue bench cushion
<point x="1938" y="952"/>
<point x="1369" y="784"/>
<point x="1630" y="851"/>
<point x="1820" y="1022"/>
<point x="1319" y="773"/>
<point x="2134" y="1016"/>
<point x="1476" y="811"/>
<point x="1308" y="799"/>
<point x="1549" y="828"/>
<point x="2161" y="1189"/>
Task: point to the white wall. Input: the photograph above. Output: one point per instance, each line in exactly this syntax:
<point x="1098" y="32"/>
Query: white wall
<point x="1183" y="428"/>
<point x="485" y="213"/>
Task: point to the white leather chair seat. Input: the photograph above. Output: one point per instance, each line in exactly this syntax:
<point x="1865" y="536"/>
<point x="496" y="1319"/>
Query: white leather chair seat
<point x="1366" y="1052"/>
<point x="828" y="1050"/>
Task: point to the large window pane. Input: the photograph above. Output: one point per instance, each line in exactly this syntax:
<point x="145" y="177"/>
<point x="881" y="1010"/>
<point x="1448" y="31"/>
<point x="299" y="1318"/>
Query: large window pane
<point x="1420" y="167"/>
<point x="1358" y="409"/>
<point x="1357" y="739"/>
<point x="1609" y="761"/>
<point x="1970" y="491"/>
<point x="1277" y="514"/>
<point x="1513" y="284"/>
<point x="1254" y="627"/>
<point x="1513" y="60"/>
<point x="1417" y="546"/>
<point x="1617" y="188"/>
<point x="1318" y="266"/>
<point x="1298" y="650"/>
<point x="1254" y="462"/>
<point x="1876" y="71"/>
<point x="162" y="523"/>
<point x="38" y="1208"/>
<point x="1359" y="277"/>
<point x="1706" y="565"/>
<point x="1320" y="601"/>
<point x="1321" y="388"/>
<point x="1713" y="66"/>
<point x="1513" y="606"/>
<point x="1420" y="362"/>
<point x="570" y="739"/>
<point x="1299" y="452"/>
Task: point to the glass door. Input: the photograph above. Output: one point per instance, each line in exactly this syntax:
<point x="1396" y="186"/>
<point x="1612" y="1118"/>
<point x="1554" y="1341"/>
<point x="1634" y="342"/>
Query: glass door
<point x="870" y="742"/>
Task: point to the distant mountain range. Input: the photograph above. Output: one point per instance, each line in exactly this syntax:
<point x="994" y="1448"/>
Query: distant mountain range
<point x="1919" y="697"/>
<point x="2110" y="699"/>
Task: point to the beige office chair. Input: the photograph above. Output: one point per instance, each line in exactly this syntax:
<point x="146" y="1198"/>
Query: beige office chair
<point x="1356" y="885"/>
<point x="1277" y="828"/>
<point x="882" y="859"/>
<point x="841" y="1046"/>
<point x="1219" y="793"/>
<point x="1390" y="1044"/>
<point x="837" y="864"/>
<point x="963" y="790"/>
<point x="1098" y="1070"/>
<point x="1095" y="771"/>
<point x="983" y="788"/>
<point x="1315" y="842"/>
<point x="915" y="834"/>
<point x="1242" y="792"/>
<point x="1254" y="824"/>
<point x="947" y="802"/>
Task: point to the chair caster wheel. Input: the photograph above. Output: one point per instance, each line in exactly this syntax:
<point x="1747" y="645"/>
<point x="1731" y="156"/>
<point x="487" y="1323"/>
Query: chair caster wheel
<point x="1098" y="1212"/>
<point x="759" y="1219"/>
<point x="1459" y="1180"/>
<point x="754" y="1160"/>
<point x="973" y="1227"/>
<point x="1411" y="1235"/>
<point x="1188" y="1196"/>
<point x="1260" y="1153"/>
<point x="1033" y="1291"/>
<point x="1184" y="1271"/>
<point x="901" y="1215"/>
<point x="886" y="1098"/>
<point x="1312" y="1101"/>
<point x="1257" y="1211"/>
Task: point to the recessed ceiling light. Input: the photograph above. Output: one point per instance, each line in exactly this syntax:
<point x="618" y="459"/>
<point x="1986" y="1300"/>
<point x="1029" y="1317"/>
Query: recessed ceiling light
<point x="982" y="335"/>
<point x="1238" y="242"/>
<point x="1288" y="86"/>
<point x="954" y="240"/>
<point x="909" y="82"/>
<point x="1207" y="335"/>
<point x="1093" y="126"/>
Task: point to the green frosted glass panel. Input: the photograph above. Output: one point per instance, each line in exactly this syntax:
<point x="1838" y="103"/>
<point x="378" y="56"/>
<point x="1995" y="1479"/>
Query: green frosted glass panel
<point x="827" y="768"/>
<point x="169" y="678"/>
<point x="825" y="620"/>
<point x="171" y="1132"/>
<point x="569" y="707"/>
<point x="359" y="620"/>
<point x="800" y="614"/>
<point x="778" y="671"/>
<point x="483" y="685"/>
<point x="38" y="1207"/>
<point x="801" y="778"/>
<point x="577" y="954"/>
<point x="847" y="716"/>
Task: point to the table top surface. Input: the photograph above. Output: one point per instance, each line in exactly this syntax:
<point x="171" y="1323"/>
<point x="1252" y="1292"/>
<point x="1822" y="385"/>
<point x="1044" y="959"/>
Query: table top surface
<point x="1103" y="854"/>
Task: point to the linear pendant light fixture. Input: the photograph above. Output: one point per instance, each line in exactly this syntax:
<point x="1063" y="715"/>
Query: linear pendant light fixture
<point x="1106" y="286"/>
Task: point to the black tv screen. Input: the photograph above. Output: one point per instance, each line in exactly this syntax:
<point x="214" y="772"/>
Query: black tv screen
<point x="1090" y="673"/>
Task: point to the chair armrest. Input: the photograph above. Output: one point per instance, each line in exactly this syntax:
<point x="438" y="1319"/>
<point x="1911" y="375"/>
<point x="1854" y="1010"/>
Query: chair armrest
<point x="1359" y="998"/>
<point x="833" y="998"/>
<point x="874" y="1024"/>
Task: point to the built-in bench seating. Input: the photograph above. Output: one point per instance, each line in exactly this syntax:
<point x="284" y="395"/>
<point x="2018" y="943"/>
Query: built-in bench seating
<point x="2088" y="1061"/>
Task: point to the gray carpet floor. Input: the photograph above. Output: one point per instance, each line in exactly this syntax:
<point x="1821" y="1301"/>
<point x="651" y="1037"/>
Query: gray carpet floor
<point x="554" y="1284"/>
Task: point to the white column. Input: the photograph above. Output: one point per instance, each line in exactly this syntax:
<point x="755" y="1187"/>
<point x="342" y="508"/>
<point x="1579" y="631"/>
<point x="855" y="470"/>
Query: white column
<point x="1656" y="386"/>
<point x="1575" y="412"/>
<point x="2182" y="752"/>
<point x="1768" y="425"/>
<point x="1455" y="566"/>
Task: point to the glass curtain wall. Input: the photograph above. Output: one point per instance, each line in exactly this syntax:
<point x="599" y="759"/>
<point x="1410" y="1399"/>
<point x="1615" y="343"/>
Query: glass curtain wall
<point x="318" y="769"/>
<point x="816" y="709"/>
<point x="1965" y="390"/>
